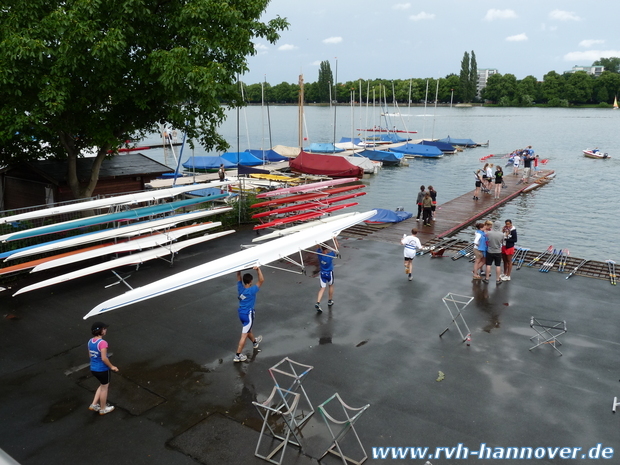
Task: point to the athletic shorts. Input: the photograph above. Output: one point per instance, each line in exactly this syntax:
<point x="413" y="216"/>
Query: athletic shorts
<point x="408" y="259"/>
<point x="508" y="251"/>
<point x="326" y="278"/>
<point x="494" y="257"/>
<point x="478" y="183"/>
<point x="247" y="320"/>
<point x="478" y="254"/>
<point x="498" y="181"/>
<point x="102" y="376"/>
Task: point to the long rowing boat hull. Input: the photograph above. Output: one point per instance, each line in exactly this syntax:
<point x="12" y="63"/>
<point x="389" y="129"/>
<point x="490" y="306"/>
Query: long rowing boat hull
<point x="306" y="187"/>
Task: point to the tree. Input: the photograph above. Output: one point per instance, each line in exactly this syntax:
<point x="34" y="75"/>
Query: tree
<point x="611" y="64"/>
<point x="552" y="86"/>
<point x="464" y="77"/>
<point x="493" y="91"/>
<point x="473" y="76"/>
<point x="578" y="87"/>
<point x="326" y="79"/>
<point x="81" y="75"/>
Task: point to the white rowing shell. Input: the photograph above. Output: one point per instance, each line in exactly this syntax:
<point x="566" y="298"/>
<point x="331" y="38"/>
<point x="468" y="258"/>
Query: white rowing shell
<point x="158" y="239"/>
<point x="134" y="259"/>
<point x="306" y="187"/>
<point x="248" y="258"/>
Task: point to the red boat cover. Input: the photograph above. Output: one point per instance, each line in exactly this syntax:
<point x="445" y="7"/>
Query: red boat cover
<point x="334" y="166"/>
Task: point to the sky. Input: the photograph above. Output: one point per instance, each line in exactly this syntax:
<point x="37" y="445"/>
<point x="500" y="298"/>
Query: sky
<point x="386" y="39"/>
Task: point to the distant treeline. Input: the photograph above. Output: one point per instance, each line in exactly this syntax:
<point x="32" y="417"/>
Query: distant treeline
<point x="556" y="90"/>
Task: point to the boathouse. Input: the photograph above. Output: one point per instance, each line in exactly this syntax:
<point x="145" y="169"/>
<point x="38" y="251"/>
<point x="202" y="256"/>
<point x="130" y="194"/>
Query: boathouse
<point x="44" y="182"/>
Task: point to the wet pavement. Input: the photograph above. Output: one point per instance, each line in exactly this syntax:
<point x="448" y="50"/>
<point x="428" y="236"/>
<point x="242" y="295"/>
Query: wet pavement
<point x="181" y="400"/>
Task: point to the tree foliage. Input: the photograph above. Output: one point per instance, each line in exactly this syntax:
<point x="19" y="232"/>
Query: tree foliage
<point x="90" y="74"/>
<point x="326" y="79"/>
<point x="611" y="64"/>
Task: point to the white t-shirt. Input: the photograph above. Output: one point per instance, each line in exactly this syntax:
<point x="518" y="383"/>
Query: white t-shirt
<point x="412" y="245"/>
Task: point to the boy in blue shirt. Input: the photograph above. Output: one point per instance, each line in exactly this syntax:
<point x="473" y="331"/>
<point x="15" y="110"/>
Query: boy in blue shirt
<point x="247" y="299"/>
<point x="326" y="275"/>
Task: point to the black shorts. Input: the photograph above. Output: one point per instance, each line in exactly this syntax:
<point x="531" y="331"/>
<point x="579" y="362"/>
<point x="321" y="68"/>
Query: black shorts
<point x="498" y="181"/>
<point x="478" y="183"/>
<point x="102" y="376"/>
<point x="494" y="257"/>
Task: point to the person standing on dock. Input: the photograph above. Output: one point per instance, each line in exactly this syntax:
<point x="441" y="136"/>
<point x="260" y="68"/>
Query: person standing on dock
<point x="478" y="184"/>
<point x="480" y="249"/>
<point x="433" y="194"/>
<point x="100" y="367"/>
<point x="247" y="291"/>
<point x="528" y="156"/>
<point x="427" y="209"/>
<point x="489" y="173"/>
<point x="508" y="249"/>
<point x="419" y="200"/>
<point x="516" y="161"/>
<point x="412" y="245"/>
<point x="221" y="173"/>
<point x="499" y="179"/>
<point x="326" y="275"/>
<point x="495" y="240"/>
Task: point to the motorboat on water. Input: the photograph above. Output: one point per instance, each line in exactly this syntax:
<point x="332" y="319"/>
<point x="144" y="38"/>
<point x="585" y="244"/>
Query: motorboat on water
<point x="595" y="153"/>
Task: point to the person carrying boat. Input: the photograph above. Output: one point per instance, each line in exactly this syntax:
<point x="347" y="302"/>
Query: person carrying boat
<point x="247" y="299"/>
<point x="326" y="275"/>
<point x="412" y="245"/>
<point x="100" y="367"/>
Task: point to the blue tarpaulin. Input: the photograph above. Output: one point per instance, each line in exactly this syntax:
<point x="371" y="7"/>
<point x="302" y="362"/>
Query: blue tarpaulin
<point x="389" y="216"/>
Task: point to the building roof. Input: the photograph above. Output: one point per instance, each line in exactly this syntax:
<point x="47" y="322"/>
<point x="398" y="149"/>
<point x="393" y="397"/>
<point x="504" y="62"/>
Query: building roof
<point x="131" y="164"/>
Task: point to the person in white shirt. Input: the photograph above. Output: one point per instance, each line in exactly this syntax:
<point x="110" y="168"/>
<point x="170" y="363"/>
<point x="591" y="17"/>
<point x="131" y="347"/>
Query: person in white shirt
<point x="412" y="245"/>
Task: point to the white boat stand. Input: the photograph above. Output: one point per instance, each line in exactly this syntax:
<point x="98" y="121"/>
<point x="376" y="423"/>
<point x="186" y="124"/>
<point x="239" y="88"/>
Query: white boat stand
<point x="547" y="332"/>
<point x="614" y="405"/>
<point x="271" y="410"/>
<point x="291" y="375"/>
<point x="457" y="303"/>
<point x="341" y="428"/>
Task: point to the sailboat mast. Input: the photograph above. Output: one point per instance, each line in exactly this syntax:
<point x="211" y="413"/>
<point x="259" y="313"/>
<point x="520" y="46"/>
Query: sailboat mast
<point x="300" y="109"/>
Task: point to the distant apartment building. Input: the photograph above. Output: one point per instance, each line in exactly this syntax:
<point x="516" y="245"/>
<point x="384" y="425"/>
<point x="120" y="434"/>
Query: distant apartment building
<point x="483" y="77"/>
<point x="594" y="70"/>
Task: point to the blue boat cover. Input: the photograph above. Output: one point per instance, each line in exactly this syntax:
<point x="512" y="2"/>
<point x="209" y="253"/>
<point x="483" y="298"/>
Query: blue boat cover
<point x="323" y="148"/>
<point x="443" y="146"/>
<point x="389" y="216"/>
<point x="463" y="142"/>
<point x="418" y="150"/>
<point x="244" y="158"/>
<point x="388" y="158"/>
<point x="267" y="155"/>
<point x="354" y="140"/>
<point x="207" y="163"/>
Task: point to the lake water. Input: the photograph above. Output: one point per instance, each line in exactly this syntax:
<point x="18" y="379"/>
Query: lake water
<point x="578" y="210"/>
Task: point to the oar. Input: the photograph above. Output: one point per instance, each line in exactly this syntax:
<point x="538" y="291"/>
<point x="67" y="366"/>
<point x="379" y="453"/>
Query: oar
<point x="611" y="265"/>
<point x="466" y="251"/>
<point x="549" y="262"/>
<point x="541" y="255"/>
<point x="562" y="265"/>
<point x="522" y="258"/>
<point x="583" y="262"/>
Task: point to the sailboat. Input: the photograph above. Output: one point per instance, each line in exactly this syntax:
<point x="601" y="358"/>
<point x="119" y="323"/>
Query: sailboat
<point x="615" y="102"/>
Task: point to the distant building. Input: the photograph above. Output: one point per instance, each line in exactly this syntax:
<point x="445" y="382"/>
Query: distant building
<point x="594" y="70"/>
<point x="483" y="77"/>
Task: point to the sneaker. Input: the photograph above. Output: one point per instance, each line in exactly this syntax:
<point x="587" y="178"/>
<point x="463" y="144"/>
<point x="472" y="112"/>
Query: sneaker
<point x="502" y="276"/>
<point x="257" y="341"/>
<point x="94" y="407"/>
<point x="485" y="281"/>
<point x="506" y="278"/>
<point x="240" y="358"/>
<point x="318" y="308"/>
<point x="498" y="282"/>
<point x="330" y="302"/>
<point x="108" y="409"/>
<point x="477" y="277"/>
<point x="410" y="277"/>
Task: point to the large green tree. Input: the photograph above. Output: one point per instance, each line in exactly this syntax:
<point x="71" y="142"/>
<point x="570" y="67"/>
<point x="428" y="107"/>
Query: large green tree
<point x="473" y="76"/>
<point x="84" y="74"/>
<point x="326" y="79"/>
<point x="611" y="64"/>
<point x="464" y="78"/>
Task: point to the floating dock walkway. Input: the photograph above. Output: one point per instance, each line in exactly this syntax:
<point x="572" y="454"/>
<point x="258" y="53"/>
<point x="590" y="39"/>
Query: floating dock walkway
<point x="461" y="212"/>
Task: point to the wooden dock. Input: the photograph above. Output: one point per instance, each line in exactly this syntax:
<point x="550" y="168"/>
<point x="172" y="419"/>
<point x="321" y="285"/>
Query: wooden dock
<point x="461" y="212"/>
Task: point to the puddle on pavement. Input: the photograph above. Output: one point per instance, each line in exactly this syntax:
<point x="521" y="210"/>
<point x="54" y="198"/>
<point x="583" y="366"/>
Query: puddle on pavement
<point x="63" y="408"/>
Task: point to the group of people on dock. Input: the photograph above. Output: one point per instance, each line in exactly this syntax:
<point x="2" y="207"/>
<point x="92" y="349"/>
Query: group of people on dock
<point x="494" y="245"/>
<point x="488" y="180"/>
<point x="427" y="204"/>
<point x="525" y="158"/>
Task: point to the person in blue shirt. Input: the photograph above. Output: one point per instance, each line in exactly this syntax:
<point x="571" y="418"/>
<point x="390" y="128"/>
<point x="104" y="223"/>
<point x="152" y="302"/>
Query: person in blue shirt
<point x="247" y="300"/>
<point x="100" y="367"/>
<point x="326" y="275"/>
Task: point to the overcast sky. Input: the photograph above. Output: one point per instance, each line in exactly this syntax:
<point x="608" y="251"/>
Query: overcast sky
<point x="411" y="39"/>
